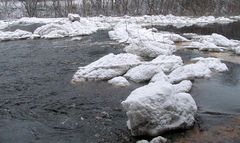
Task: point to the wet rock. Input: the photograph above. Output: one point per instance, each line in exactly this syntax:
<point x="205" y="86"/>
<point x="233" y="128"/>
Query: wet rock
<point x="103" y="115"/>
<point x="156" y="108"/>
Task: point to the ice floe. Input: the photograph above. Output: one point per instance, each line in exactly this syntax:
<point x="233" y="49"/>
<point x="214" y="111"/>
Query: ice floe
<point x="119" y="81"/>
<point x="107" y="67"/>
<point x="156" y="108"/>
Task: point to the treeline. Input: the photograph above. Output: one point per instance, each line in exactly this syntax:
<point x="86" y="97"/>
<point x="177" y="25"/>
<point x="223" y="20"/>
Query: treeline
<point x="60" y="8"/>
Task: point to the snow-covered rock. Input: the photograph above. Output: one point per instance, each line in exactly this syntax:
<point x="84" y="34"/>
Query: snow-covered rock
<point x="159" y="139"/>
<point x="66" y="28"/>
<point x="51" y="30"/>
<point x="220" y="40"/>
<point x="142" y="141"/>
<point x="143" y="72"/>
<point x="183" y="86"/>
<point x="76" y="39"/>
<point x="191" y="71"/>
<point x="168" y="63"/>
<point x="150" y="49"/>
<point x="204" y="46"/>
<point x="160" y="77"/>
<point x="212" y="63"/>
<point x="73" y="17"/>
<point x="119" y="81"/>
<point x="107" y="67"/>
<point x="175" y="37"/>
<point x="156" y="108"/>
<point x="237" y="50"/>
<point x="16" y="35"/>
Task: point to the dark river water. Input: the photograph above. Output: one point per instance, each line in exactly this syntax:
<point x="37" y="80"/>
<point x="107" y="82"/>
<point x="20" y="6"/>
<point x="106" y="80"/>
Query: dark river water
<point x="38" y="104"/>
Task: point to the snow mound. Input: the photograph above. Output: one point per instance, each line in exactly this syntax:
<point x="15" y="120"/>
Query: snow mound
<point x="143" y="72"/>
<point x="204" y="46"/>
<point x="150" y="49"/>
<point x="183" y="86"/>
<point x="107" y="67"/>
<point x="160" y="77"/>
<point x="16" y="35"/>
<point x="191" y="71"/>
<point x="212" y="63"/>
<point x="119" y="81"/>
<point x="168" y="63"/>
<point x="66" y="28"/>
<point x="158" y="139"/>
<point x="156" y="108"/>
<point x="73" y="17"/>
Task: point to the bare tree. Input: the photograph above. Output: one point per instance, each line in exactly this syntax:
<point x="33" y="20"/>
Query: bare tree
<point x="30" y="6"/>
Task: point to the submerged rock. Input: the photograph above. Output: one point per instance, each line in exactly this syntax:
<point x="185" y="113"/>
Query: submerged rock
<point x="156" y="108"/>
<point x="107" y="67"/>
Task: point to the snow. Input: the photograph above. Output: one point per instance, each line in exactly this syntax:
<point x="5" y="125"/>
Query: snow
<point x="16" y="35"/>
<point x="76" y="39"/>
<point x="119" y="81"/>
<point x="66" y="28"/>
<point x="212" y="63"/>
<point x="150" y="48"/>
<point x="160" y="76"/>
<point x="142" y="72"/>
<point x="73" y="17"/>
<point x="158" y="139"/>
<point x="168" y="63"/>
<point x="156" y="108"/>
<point x="237" y="50"/>
<point x="204" y="46"/>
<point x="183" y="86"/>
<point x="191" y="71"/>
<point x="107" y="67"/>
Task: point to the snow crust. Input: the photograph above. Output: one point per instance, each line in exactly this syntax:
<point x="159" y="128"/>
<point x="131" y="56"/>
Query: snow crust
<point x="156" y="108"/>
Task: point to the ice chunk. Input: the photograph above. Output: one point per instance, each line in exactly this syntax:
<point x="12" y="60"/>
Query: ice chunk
<point x="212" y="63"/>
<point x="156" y="108"/>
<point x="76" y="39"/>
<point x="143" y="72"/>
<point x="73" y="17"/>
<point x="175" y="37"/>
<point x="183" y="86"/>
<point x="107" y="67"/>
<point x="190" y="71"/>
<point x="119" y="81"/>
